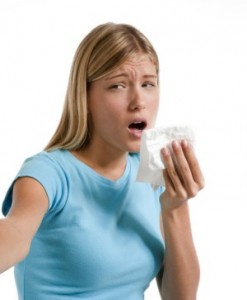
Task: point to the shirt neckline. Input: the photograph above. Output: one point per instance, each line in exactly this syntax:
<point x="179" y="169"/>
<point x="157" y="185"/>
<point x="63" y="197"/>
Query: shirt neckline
<point x="95" y="175"/>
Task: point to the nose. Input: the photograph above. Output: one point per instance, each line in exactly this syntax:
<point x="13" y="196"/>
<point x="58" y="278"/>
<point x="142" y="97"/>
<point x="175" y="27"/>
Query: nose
<point x="137" y="100"/>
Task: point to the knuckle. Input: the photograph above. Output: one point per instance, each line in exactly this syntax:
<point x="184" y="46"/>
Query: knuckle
<point x="173" y="173"/>
<point x="185" y="169"/>
<point x="192" y="191"/>
<point x="183" y="196"/>
<point x="194" y="164"/>
<point x="201" y="184"/>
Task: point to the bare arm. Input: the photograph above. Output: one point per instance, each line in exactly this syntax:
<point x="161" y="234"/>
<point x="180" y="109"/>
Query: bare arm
<point x="179" y="278"/>
<point x="29" y="206"/>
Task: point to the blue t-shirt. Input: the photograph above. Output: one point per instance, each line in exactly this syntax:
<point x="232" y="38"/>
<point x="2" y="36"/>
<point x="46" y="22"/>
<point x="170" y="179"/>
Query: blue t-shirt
<point x="99" y="240"/>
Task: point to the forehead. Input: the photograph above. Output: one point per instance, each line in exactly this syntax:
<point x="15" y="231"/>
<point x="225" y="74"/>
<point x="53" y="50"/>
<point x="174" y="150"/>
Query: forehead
<point x="137" y="63"/>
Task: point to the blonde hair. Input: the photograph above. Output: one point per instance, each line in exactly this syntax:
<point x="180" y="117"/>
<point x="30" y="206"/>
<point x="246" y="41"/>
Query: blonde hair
<point x="104" y="49"/>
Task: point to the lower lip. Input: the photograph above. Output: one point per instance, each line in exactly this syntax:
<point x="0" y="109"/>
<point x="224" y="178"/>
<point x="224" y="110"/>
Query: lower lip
<point x="136" y="133"/>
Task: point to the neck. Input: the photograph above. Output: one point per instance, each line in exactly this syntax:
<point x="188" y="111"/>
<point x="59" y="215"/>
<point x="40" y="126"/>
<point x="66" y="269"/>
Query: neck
<point x="106" y="161"/>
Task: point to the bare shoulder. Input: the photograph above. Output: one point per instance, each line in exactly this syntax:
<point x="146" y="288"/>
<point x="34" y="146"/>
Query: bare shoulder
<point x="29" y="205"/>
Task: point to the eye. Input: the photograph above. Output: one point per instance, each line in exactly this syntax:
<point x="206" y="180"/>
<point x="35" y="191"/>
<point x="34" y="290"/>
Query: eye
<point x="117" y="86"/>
<point x="149" y="84"/>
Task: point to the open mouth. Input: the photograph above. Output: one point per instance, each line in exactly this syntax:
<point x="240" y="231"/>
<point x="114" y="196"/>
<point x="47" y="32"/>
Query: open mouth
<point x="137" y="125"/>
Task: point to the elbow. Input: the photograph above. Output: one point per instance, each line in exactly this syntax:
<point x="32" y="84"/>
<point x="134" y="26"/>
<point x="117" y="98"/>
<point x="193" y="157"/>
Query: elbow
<point x="179" y="296"/>
<point x="15" y="245"/>
<point x="186" y="289"/>
<point x="192" y="286"/>
<point x="20" y="254"/>
<point x="13" y="257"/>
<point x="24" y="250"/>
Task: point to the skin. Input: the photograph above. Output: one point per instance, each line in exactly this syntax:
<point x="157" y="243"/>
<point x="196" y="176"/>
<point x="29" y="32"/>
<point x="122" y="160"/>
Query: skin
<point x="179" y="277"/>
<point x="129" y="94"/>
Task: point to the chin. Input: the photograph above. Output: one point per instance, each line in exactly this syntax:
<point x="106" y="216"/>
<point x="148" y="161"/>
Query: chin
<point x="134" y="148"/>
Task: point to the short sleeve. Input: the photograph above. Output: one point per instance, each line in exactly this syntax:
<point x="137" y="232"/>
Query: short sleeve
<point x="44" y="168"/>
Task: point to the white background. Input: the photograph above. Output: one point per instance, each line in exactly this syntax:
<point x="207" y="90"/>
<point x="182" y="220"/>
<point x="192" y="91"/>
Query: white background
<point x="202" y="45"/>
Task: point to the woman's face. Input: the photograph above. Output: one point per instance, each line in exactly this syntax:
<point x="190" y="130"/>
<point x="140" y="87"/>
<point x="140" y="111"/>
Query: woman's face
<point x="123" y="104"/>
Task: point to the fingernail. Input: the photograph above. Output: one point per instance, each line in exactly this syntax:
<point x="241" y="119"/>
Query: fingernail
<point x="165" y="151"/>
<point x="185" y="143"/>
<point x="175" y="144"/>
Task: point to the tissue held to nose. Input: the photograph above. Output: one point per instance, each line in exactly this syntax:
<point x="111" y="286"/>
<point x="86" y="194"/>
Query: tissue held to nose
<point x="152" y="141"/>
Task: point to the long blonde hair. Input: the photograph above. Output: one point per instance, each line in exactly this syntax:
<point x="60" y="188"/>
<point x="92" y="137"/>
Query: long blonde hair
<point x="104" y="49"/>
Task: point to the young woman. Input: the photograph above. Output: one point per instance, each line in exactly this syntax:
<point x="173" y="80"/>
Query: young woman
<point x="78" y="225"/>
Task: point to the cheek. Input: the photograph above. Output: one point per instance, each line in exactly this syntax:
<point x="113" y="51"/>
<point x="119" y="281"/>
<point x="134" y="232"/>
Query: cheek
<point x="105" y="116"/>
<point x="154" y="107"/>
<point x="113" y="109"/>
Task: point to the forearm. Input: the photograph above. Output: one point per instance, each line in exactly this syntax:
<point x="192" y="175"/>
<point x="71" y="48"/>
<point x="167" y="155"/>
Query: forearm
<point x="13" y="248"/>
<point x="181" y="270"/>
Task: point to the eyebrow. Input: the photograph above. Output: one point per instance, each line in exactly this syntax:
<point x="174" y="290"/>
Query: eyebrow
<point x="126" y="75"/>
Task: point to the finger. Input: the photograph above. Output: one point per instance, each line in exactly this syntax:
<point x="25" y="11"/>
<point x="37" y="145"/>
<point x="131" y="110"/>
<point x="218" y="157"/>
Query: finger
<point x="193" y="163"/>
<point x="173" y="174"/>
<point x="168" y="183"/>
<point x="182" y="165"/>
<point x="184" y="169"/>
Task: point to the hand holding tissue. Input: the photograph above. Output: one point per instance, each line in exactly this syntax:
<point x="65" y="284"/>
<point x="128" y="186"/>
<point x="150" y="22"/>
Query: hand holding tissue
<point x="152" y="141"/>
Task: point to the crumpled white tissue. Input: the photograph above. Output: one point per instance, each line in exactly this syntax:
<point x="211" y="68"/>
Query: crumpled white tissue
<point x="153" y="140"/>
